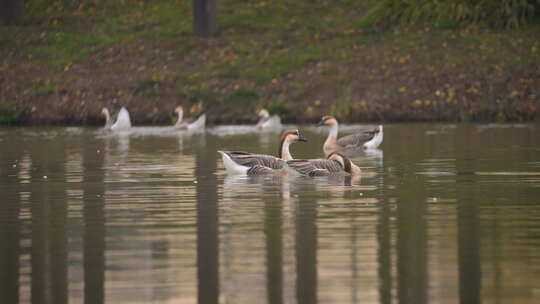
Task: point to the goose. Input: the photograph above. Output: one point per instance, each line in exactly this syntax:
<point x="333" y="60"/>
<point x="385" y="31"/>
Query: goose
<point x="370" y="139"/>
<point x="336" y="163"/>
<point x="253" y="164"/>
<point x="267" y="122"/>
<point x="123" y="122"/>
<point x="196" y="125"/>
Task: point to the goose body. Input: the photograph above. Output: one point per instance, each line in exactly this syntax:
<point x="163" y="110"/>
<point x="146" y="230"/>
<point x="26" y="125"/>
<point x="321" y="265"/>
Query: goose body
<point x="335" y="164"/>
<point x="198" y="124"/>
<point x="255" y="164"/>
<point x="267" y="122"/>
<point x="370" y="139"/>
<point x="245" y="163"/>
<point x="123" y="121"/>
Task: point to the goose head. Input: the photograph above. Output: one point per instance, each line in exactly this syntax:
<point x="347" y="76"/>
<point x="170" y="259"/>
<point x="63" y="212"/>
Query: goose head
<point x="263" y="113"/>
<point x="292" y="136"/>
<point x="327" y="121"/>
<point x="288" y="138"/>
<point x="345" y="162"/>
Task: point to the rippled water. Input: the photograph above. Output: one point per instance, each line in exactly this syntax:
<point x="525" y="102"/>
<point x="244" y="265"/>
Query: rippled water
<point x="442" y="214"/>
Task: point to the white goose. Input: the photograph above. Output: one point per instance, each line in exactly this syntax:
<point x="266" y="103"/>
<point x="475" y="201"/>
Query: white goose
<point x="267" y="122"/>
<point x="198" y="124"/>
<point x="253" y="164"/>
<point x="370" y="139"/>
<point x="123" y="122"/>
<point x="336" y="163"/>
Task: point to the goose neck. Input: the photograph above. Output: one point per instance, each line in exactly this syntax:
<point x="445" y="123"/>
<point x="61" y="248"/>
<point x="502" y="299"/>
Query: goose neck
<point x="108" y="121"/>
<point x="180" y="117"/>
<point x="332" y="134"/>
<point x="284" y="152"/>
<point x="355" y="170"/>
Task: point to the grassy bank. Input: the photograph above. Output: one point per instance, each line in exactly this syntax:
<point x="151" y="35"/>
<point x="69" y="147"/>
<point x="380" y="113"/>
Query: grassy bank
<point x="299" y="59"/>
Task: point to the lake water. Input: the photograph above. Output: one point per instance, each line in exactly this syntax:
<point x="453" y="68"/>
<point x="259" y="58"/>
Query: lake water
<point x="443" y="213"/>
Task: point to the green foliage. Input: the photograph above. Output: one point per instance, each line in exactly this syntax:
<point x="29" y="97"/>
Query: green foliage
<point x="342" y="108"/>
<point x="72" y="30"/>
<point x="279" y="107"/>
<point x="263" y="69"/>
<point x="46" y="87"/>
<point x="200" y="94"/>
<point x="150" y="87"/>
<point x="453" y="13"/>
<point x="8" y="115"/>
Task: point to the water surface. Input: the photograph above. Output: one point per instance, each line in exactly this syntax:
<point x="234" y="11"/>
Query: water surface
<point x="442" y="214"/>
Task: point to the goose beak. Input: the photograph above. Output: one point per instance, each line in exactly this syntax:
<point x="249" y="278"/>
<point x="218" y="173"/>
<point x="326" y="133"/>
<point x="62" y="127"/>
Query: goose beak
<point x="302" y="138"/>
<point x="320" y="123"/>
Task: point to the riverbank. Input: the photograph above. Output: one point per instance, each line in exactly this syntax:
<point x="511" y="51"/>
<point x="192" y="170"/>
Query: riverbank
<point x="298" y="60"/>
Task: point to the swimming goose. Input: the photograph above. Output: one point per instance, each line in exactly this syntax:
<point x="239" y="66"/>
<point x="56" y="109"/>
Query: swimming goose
<point x="370" y="139"/>
<point x="336" y="163"/>
<point x="267" y="122"/>
<point x="253" y="164"/>
<point x="196" y="125"/>
<point x="123" y="122"/>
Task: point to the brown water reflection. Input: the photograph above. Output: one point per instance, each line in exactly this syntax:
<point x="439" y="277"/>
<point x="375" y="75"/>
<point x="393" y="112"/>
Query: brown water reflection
<point x="442" y="214"/>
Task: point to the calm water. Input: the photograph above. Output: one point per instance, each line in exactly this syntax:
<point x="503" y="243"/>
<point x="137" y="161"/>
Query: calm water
<point x="442" y="214"/>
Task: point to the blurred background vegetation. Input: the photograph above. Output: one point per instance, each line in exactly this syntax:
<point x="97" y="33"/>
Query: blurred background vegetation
<point x="444" y="13"/>
<point x="360" y="60"/>
<point x="455" y="13"/>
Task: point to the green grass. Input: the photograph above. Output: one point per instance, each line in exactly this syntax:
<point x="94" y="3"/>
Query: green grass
<point x="45" y="87"/>
<point x="454" y="13"/>
<point x="240" y="98"/>
<point x="263" y="67"/>
<point x="65" y="37"/>
<point x="200" y="93"/>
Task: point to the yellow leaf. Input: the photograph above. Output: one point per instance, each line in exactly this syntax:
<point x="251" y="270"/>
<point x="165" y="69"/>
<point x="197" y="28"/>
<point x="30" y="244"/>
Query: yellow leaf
<point x="231" y="57"/>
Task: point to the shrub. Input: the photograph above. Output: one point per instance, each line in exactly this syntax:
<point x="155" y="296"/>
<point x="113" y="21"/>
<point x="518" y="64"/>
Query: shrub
<point x="8" y="115"/>
<point x="490" y="13"/>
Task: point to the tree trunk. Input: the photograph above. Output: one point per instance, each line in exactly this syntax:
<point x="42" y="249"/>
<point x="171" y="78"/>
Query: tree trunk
<point x="11" y="12"/>
<point x="204" y="18"/>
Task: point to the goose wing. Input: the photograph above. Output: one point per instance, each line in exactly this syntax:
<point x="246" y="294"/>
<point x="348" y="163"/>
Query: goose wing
<point x="123" y="121"/>
<point x="358" y="139"/>
<point x="259" y="170"/>
<point x="252" y="160"/>
<point x="199" y="123"/>
<point x="315" y="167"/>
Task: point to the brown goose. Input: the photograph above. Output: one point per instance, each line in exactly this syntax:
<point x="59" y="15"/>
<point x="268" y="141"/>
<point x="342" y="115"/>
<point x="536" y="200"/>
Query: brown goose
<point x="253" y="164"/>
<point x="336" y="163"/>
<point x="370" y="139"/>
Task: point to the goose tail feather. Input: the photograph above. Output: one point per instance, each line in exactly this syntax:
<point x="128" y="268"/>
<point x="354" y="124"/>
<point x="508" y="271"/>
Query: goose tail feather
<point x="231" y="166"/>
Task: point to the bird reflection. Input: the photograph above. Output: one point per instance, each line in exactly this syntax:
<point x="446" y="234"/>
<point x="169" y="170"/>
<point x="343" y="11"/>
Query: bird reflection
<point x="371" y="157"/>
